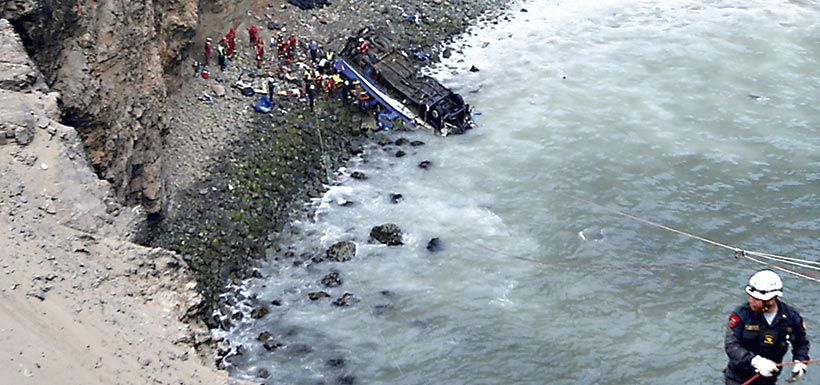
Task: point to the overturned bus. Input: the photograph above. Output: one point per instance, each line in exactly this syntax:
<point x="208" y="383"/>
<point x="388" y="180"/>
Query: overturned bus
<point x="400" y="88"/>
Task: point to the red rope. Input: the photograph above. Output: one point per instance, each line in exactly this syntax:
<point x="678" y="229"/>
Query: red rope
<point x="756" y="376"/>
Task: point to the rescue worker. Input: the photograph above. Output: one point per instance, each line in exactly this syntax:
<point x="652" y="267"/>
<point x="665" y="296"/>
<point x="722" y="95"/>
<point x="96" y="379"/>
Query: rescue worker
<point x="270" y="87"/>
<point x="364" y="47"/>
<point x="222" y="50"/>
<point x="231" y="38"/>
<point x="260" y="54"/>
<point x="314" y="50"/>
<point x="208" y="51"/>
<point x="280" y="47"/>
<point x="253" y="35"/>
<point x="310" y="91"/>
<point x="291" y="43"/>
<point x="760" y="332"/>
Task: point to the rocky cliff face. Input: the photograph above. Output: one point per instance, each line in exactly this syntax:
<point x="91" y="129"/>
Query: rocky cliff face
<point x="110" y="60"/>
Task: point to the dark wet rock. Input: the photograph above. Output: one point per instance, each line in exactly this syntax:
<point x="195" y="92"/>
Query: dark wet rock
<point x="341" y="251"/>
<point x="317" y="295"/>
<point x="524" y="10"/>
<point x="402" y="141"/>
<point x="346" y="380"/>
<point x="332" y="280"/>
<point x="346" y="299"/>
<point x="447" y="53"/>
<point x="424" y="164"/>
<point x="473" y="69"/>
<point x="358" y="175"/>
<point x="271" y="345"/>
<point x="416" y="143"/>
<point x="400" y="153"/>
<point x="257" y="274"/>
<point x="276" y="302"/>
<point x="262" y="337"/>
<point x="385" y="142"/>
<point x="259" y="312"/>
<point x="386" y="293"/>
<point x="262" y="373"/>
<point x="396" y="198"/>
<point x="388" y="234"/>
<point x="347" y="203"/>
<point x="336" y="363"/>
<point x="435" y="245"/>
<point x="238" y="316"/>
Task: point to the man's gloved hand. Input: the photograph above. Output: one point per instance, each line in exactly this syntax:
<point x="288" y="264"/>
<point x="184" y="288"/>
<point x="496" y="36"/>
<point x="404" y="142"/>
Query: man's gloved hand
<point x="764" y="366"/>
<point x="798" y="370"/>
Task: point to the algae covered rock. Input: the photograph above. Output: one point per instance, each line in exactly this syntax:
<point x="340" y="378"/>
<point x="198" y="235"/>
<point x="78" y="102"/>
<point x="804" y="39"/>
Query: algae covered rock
<point x="388" y="234"/>
<point x="342" y="251"/>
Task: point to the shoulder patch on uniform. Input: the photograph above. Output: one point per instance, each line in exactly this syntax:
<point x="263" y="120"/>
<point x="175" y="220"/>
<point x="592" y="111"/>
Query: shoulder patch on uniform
<point x="733" y="320"/>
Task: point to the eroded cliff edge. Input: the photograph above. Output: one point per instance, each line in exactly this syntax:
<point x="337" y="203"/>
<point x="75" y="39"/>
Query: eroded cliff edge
<point x="110" y="62"/>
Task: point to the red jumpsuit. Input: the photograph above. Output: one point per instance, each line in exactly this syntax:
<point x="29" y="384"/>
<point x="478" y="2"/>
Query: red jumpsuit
<point x="260" y="54"/>
<point x="253" y="35"/>
<point x="207" y="52"/>
<point x="231" y="36"/>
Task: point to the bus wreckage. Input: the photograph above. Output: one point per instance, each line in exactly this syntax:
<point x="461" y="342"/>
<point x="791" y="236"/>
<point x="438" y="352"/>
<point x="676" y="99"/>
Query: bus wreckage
<point x="396" y="90"/>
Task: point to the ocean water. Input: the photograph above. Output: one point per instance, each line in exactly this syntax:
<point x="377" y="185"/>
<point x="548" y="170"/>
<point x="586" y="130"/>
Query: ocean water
<point x="703" y="116"/>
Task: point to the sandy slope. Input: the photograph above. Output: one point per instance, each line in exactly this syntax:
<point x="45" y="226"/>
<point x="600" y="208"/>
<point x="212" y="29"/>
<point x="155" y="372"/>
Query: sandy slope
<point x="79" y="304"/>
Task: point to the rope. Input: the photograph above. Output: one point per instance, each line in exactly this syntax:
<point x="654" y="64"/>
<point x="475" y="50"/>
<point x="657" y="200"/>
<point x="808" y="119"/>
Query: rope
<point x="738" y="251"/>
<point x="756" y="376"/>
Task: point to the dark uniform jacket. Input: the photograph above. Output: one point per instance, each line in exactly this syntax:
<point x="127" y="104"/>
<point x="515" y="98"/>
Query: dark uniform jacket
<point x="749" y="335"/>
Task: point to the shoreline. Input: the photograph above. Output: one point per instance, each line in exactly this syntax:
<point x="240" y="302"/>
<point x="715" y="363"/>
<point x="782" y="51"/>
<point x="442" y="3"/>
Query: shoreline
<point x="85" y="304"/>
<point x="275" y="163"/>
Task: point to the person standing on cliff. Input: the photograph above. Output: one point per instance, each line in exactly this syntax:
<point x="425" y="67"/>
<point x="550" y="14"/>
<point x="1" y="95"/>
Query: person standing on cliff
<point x="222" y="50"/>
<point x="208" y="51"/>
<point x="314" y="51"/>
<point x="760" y="332"/>
<point x="231" y="39"/>
<point x="260" y="54"/>
<point x="253" y="35"/>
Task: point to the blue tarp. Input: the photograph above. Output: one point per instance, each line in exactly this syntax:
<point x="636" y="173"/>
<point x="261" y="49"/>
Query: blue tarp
<point x="264" y="104"/>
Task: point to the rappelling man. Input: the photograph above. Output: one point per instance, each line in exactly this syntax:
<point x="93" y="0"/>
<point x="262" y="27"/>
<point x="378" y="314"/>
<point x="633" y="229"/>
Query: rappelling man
<point x="760" y="332"/>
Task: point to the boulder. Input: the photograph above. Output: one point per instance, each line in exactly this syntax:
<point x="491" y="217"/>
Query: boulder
<point x="388" y="234"/>
<point x="218" y="90"/>
<point x="346" y="299"/>
<point x="396" y="198"/>
<point x="435" y="245"/>
<point x="259" y="312"/>
<point x="341" y="251"/>
<point x="317" y="295"/>
<point x="358" y="175"/>
<point x="24" y="135"/>
<point x="332" y="280"/>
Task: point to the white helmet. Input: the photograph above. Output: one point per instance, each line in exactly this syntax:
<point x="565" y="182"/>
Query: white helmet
<point x="765" y="285"/>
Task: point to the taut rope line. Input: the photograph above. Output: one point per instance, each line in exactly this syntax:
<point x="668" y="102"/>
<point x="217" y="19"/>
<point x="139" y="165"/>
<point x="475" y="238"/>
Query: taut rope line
<point x="738" y="251"/>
